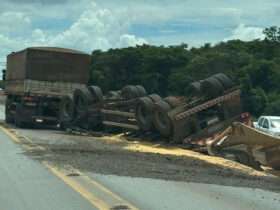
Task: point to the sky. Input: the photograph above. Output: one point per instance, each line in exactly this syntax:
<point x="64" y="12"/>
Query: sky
<point x="88" y="25"/>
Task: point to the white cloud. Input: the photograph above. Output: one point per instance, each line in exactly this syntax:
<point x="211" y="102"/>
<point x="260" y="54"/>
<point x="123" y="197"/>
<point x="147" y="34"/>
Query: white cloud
<point x="39" y="36"/>
<point x="246" y="33"/>
<point x="97" y="28"/>
<point x="12" y="22"/>
<point x="107" y="24"/>
<point x="127" y="40"/>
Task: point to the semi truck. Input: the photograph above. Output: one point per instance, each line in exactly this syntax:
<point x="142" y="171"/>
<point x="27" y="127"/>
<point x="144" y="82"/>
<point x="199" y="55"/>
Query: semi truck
<point x="36" y="80"/>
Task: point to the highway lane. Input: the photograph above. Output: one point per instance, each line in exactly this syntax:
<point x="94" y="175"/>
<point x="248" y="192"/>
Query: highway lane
<point x="27" y="185"/>
<point x="152" y="194"/>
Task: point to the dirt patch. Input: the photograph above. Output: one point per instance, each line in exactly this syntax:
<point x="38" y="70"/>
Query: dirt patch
<point x="115" y="155"/>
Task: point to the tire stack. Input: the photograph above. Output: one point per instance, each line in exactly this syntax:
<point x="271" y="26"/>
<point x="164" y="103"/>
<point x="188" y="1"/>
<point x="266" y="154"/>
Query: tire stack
<point x="144" y="111"/>
<point x="211" y="87"/>
<point x="161" y="118"/>
<point x="66" y="112"/>
<point x="83" y="109"/>
<point x="157" y="114"/>
<point x="152" y="113"/>
<point x="9" y="117"/>
<point x="94" y="111"/>
<point x="131" y="92"/>
<point x="113" y="95"/>
<point x="120" y="108"/>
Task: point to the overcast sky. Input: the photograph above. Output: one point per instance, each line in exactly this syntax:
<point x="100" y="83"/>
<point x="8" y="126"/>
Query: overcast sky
<point x="101" y="24"/>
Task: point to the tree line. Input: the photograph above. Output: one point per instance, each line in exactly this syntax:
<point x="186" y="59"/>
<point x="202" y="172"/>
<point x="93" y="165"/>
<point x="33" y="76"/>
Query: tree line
<point x="255" y="65"/>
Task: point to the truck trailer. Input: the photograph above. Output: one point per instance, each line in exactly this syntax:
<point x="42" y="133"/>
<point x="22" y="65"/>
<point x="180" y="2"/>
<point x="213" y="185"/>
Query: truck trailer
<point x="36" y="80"/>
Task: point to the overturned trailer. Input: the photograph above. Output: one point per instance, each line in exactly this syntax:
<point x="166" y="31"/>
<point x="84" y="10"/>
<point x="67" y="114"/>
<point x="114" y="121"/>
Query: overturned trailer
<point x="194" y="122"/>
<point x="211" y="106"/>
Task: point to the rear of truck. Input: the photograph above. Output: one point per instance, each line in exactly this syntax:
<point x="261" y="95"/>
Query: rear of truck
<point x="36" y="80"/>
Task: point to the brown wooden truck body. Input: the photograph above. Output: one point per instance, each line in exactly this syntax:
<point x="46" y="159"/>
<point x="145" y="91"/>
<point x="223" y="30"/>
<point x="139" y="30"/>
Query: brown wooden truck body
<point x="37" y="78"/>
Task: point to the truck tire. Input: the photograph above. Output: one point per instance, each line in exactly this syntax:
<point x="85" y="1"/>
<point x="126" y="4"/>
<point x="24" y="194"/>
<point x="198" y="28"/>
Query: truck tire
<point x="113" y="95"/>
<point x="194" y="89"/>
<point x="173" y="101"/>
<point x="155" y="97"/>
<point x="224" y="80"/>
<point x="9" y="117"/>
<point x="211" y="87"/>
<point x="129" y="92"/>
<point x="144" y="113"/>
<point x="20" y="121"/>
<point x="96" y="93"/>
<point x="141" y="91"/>
<point x="161" y="120"/>
<point x="66" y="111"/>
<point x="82" y="100"/>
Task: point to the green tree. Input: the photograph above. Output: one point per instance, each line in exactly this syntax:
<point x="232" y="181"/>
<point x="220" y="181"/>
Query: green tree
<point x="255" y="101"/>
<point x="273" y="104"/>
<point x="272" y="33"/>
<point x="165" y="70"/>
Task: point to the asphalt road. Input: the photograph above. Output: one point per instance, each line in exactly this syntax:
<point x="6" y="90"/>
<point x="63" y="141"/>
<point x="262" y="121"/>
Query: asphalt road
<point x="159" y="194"/>
<point x="27" y="184"/>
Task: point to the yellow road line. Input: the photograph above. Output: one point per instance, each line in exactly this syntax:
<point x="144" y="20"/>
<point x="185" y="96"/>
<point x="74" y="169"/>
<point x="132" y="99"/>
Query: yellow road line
<point x="10" y="134"/>
<point x="98" y="203"/>
<point x="106" y="190"/>
<point x="30" y="141"/>
<point x="95" y="201"/>
<point x="17" y="140"/>
<point x="85" y="193"/>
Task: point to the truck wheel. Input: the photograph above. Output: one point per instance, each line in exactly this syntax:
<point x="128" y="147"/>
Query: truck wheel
<point x="66" y="111"/>
<point x="96" y="93"/>
<point x="141" y="91"/>
<point x="113" y="95"/>
<point x="129" y="92"/>
<point x="155" y="97"/>
<point x="194" y="89"/>
<point x="19" y="123"/>
<point x="144" y="113"/>
<point x="161" y="119"/>
<point x="173" y="101"/>
<point x="19" y="118"/>
<point x="211" y="87"/>
<point x="83" y="94"/>
<point x="9" y="117"/>
<point x="82" y="100"/>
<point x="224" y="80"/>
